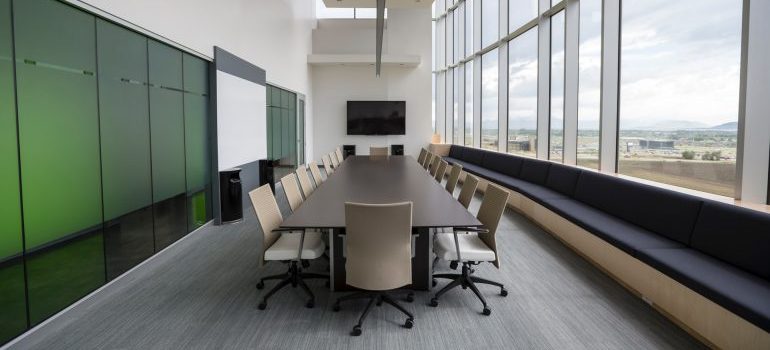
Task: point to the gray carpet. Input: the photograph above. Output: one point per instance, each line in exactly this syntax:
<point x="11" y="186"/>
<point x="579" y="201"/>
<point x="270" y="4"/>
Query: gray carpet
<point x="200" y="294"/>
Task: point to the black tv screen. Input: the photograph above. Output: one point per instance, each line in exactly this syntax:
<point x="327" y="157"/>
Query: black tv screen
<point x="376" y="117"/>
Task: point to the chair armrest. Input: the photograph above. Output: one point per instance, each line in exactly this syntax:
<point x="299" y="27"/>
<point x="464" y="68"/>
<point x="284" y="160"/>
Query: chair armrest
<point x="301" y="239"/>
<point x="457" y="246"/>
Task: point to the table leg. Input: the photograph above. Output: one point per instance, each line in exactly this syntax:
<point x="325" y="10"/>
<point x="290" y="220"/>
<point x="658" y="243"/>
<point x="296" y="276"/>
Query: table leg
<point x="422" y="264"/>
<point x="338" y="261"/>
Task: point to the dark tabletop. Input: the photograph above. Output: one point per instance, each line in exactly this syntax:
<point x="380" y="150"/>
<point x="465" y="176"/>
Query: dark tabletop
<point x="378" y="180"/>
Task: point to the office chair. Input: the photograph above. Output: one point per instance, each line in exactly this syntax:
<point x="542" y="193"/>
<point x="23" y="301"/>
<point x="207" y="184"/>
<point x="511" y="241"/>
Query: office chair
<point x="434" y="165"/>
<point x="454" y="176"/>
<point x="293" y="195"/>
<point x="280" y="245"/>
<point x="335" y="160"/>
<point x="421" y="157"/>
<point x="340" y="157"/>
<point x="470" y="249"/>
<point x="441" y="170"/>
<point x="378" y="151"/>
<point x="317" y="178"/>
<point x="304" y="181"/>
<point x="327" y="165"/>
<point x="468" y="191"/>
<point x="379" y="255"/>
<point x="428" y="159"/>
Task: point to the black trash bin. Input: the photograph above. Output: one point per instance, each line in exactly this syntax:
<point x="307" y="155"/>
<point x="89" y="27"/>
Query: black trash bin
<point x="230" y="193"/>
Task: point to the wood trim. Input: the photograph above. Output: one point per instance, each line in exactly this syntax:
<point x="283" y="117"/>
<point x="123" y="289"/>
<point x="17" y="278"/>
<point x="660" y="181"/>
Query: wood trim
<point x="440" y="149"/>
<point x="707" y="321"/>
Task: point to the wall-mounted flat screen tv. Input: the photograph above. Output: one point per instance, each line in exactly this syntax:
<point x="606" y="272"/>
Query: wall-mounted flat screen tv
<point x="376" y="117"/>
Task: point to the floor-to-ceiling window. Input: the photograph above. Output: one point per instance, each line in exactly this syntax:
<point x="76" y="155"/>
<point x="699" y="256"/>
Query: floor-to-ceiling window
<point x="522" y="94"/>
<point x="556" y="120"/>
<point x="469" y="103"/>
<point x="489" y="108"/>
<point x="490" y="19"/>
<point x="589" y="89"/>
<point x="680" y="73"/>
<point x="520" y="12"/>
<point x="456" y="103"/>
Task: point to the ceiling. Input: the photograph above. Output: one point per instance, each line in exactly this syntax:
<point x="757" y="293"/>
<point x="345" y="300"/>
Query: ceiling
<point x="373" y="3"/>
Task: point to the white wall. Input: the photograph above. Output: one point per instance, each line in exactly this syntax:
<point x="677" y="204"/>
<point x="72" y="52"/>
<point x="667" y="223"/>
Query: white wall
<point x="408" y="32"/>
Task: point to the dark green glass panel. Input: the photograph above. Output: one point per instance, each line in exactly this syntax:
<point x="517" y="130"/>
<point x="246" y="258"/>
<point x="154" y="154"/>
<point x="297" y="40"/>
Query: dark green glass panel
<point x="13" y="311"/>
<point x="170" y="221"/>
<point x="285" y="135"/>
<point x="62" y="274"/>
<point x="167" y="122"/>
<point x="196" y="139"/>
<point x="128" y="240"/>
<point x="58" y="120"/>
<point x="59" y="138"/>
<point x="276" y="132"/>
<point x="125" y="120"/>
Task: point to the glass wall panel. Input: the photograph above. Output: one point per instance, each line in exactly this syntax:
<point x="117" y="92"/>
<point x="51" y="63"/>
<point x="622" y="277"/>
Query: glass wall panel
<point x="450" y="29"/>
<point x="489" y="22"/>
<point x="522" y="94"/>
<point x="125" y="146"/>
<point x="469" y="47"/>
<point x="489" y="113"/>
<point x="680" y="73"/>
<point x="520" y="12"/>
<point x="556" y="135"/>
<point x="590" y="73"/>
<point x="448" y="106"/>
<point x="13" y="311"/>
<point x="59" y="149"/>
<point x="469" y="103"/>
<point x="168" y="144"/>
<point x="456" y="128"/>
<point x="196" y="141"/>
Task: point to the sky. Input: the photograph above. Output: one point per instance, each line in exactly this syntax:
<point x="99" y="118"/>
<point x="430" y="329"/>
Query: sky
<point x="680" y="61"/>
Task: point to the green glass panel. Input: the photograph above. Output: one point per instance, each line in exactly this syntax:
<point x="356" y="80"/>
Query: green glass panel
<point x="13" y="313"/>
<point x="292" y="136"/>
<point x="125" y="120"/>
<point x="276" y="97"/>
<point x="285" y="124"/>
<point x="276" y="132"/>
<point x="196" y="139"/>
<point x="58" y="277"/>
<point x="58" y="121"/>
<point x="166" y="122"/>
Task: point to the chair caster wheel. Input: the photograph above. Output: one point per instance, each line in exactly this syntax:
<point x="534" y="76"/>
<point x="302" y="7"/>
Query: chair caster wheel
<point x="260" y="285"/>
<point x="379" y="303"/>
<point x="356" y="331"/>
<point x="465" y="287"/>
<point x="336" y="307"/>
<point x="486" y="311"/>
<point x="310" y="304"/>
<point x="305" y="264"/>
<point x="503" y="292"/>
<point x="433" y="302"/>
<point x="262" y="305"/>
<point x="328" y="284"/>
<point x="453" y="265"/>
<point x="410" y="297"/>
<point x="409" y="323"/>
<point x="434" y="282"/>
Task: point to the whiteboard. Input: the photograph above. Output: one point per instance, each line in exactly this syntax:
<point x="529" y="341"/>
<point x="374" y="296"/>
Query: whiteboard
<point x="241" y="121"/>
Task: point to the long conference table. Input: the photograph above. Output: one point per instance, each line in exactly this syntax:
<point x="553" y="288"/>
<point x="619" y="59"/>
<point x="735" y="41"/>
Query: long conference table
<point x="378" y="180"/>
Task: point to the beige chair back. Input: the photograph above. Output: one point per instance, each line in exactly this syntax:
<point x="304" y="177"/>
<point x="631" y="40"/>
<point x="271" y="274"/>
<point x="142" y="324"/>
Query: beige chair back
<point x="421" y="157"/>
<point x="468" y="190"/>
<point x="317" y="178"/>
<point x="441" y="170"/>
<point x="290" y="187"/>
<point x="269" y="216"/>
<point x="454" y="176"/>
<point x="304" y="181"/>
<point x="335" y="160"/>
<point x="490" y="212"/>
<point x="327" y="165"/>
<point x="428" y="159"/>
<point x="340" y="158"/>
<point x="434" y="165"/>
<point x="378" y="240"/>
<point x="378" y="151"/>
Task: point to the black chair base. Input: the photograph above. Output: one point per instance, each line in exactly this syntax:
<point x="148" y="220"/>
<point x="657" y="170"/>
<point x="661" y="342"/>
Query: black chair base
<point x="294" y="277"/>
<point x="465" y="280"/>
<point x="378" y="297"/>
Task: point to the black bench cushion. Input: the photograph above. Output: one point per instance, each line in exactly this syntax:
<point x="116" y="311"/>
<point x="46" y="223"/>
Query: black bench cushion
<point x="736" y="290"/>
<point x="456" y="151"/>
<point x="473" y="155"/>
<point x="467" y="166"/>
<point x="739" y="236"/>
<point x="535" y="171"/>
<point x="665" y="212"/>
<point x="563" y="178"/>
<point x="502" y="163"/>
<point x="622" y="234"/>
<point x="533" y="191"/>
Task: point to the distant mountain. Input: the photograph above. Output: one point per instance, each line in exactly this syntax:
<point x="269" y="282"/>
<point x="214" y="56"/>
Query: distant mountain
<point x="731" y="126"/>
